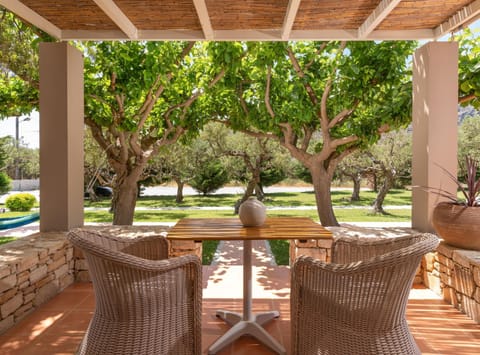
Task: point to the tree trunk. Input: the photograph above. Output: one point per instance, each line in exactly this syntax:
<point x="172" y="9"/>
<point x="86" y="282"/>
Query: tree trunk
<point x="180" y="184"/>
<point x="356" y="178"/>
<point x="321" y="185"/>
<point x="382" y="193"/>
<point x="124" y="198"/>
<point x="248" y="192"/>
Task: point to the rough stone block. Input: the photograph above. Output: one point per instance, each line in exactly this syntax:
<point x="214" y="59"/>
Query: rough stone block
<point x="61" y="271"/>
<point x="55" y="264"/>
<point x="65" y="281"/>
<point x="463" y="281"/>
<point x="8" y="282"/>
<point x="28" y="261"/>
<point x="445" y="249"/>
<point x="38" y="273"/>
<point x="11" y="305"/>
<point x="316" y="253"/>
<point x="306" y="243"/>
<point x="465" y="257"/>
<point x="45" y="280"/>
<point x="6" y="324"/>
<point x="28" y="297"/>
<point x="325" y="243"/>
<point x="4" y="297"/>
<point x="23" y="309"/>
<point x="5" y="270"/>
<point x="45" y="293"/>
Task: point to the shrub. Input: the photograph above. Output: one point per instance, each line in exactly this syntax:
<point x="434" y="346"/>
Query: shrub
<point x="5" y="184"/>
<point x="209" y="177"/>
<point x="21" y="202"/>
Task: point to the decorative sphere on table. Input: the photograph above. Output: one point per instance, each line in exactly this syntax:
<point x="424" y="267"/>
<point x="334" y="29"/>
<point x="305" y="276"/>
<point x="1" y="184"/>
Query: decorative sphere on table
<point x="252" y="212"/>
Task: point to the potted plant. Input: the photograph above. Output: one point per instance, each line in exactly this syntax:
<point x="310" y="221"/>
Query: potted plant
<point x="457" y="221"/>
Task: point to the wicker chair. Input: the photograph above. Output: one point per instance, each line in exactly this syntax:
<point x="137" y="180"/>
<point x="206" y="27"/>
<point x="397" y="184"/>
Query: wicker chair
<point x="356" y="304"/>
<point x="144" y="302"/>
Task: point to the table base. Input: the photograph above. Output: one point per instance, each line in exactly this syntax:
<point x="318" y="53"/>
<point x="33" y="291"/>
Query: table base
<point x="252" y="327"/>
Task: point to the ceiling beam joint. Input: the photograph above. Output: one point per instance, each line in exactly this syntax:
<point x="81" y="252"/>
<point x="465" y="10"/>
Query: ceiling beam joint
<point x="376" y="17"/>
<point x="462" y="18"/>
<point x="118" y="17"/>
<point x="204" y="18"/>
<point x="289" y="20"/>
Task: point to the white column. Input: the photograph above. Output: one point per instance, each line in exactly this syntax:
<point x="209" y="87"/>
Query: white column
<point x="61" y="137"/>
<point x="435" y="115"/>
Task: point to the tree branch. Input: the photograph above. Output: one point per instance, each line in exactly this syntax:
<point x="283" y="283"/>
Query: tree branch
<point x="343" y="115"/>
<point x="301" y="74"/>
<point x="267" y="92"/>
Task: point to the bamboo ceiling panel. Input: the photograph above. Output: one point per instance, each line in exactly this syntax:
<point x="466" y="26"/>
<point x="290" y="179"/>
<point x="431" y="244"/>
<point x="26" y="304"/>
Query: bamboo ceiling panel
<point x="246" y="19"/>
<point x="72" y="14"/>
<point x="246" y="14"/>
<point x="333" y="14"/>
<point x="414" y="14"/>
<point x="161" y="15"/>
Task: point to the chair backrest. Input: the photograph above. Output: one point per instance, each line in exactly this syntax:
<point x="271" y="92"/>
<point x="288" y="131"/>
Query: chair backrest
<point x="363" y="294"/>
<point x="155" y="300"/>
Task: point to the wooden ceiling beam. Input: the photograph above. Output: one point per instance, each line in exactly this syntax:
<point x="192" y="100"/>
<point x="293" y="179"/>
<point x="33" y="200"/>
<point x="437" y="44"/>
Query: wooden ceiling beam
<point x="32" y="17"/>
<point x="204" y="18"/>
<point x="376" y="17"/>
<point x="118" y="17"/>
<point x="289" y="20"/>
<point x="462" y="18"/>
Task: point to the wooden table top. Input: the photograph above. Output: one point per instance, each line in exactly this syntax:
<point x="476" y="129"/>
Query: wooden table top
<point x="233" y="229"/>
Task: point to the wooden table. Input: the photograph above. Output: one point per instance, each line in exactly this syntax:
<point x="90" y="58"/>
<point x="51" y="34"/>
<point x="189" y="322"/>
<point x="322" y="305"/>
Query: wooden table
<point x="199" y="229"/>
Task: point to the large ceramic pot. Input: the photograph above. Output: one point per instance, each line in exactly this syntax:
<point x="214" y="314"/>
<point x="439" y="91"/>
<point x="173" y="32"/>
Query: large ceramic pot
<point x="458" y="225"/>
<point x="252" y="212"/>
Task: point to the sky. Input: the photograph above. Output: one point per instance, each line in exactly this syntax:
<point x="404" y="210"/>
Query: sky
<point x="29" y="130"/>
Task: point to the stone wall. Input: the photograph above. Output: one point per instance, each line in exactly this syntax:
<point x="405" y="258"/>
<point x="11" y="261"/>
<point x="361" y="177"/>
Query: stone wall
<point x="455" y="274"/>
<point x="32" y="270"/>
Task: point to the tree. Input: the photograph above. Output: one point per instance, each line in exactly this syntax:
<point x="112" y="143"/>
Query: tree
<point x="19" y="81"/>
<point x="5" y="183"/>
<point x="355" y="166"/>
<point x="391" y="158"/>
<point x="344" y="93"/>
<point x="255" y="160"/>
<point x="469" y="68"/>
<point x="140" y="97"/>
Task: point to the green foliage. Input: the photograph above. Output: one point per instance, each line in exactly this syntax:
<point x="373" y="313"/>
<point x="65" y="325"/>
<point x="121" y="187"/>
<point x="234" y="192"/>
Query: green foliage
<point x="209" y="247"/>
<point x="281" y="251"/>
<point x="469" y="68"/>
<point x="468" y="141"/>
<point x="5" y="183"/>
<point x="271" y="176"/>
<point x="20" y="202"/>
<point x="210" y="177"/>
<point x="4" y="240"/>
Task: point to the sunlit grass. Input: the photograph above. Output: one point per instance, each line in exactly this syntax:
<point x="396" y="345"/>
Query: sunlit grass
<point x="293" y="199"/>
<point x="172" y="216"/>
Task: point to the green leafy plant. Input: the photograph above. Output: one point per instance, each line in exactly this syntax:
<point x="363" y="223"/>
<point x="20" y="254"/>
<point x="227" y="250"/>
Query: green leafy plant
<point x="21" y="202"/>
<point x="470" y="189"/>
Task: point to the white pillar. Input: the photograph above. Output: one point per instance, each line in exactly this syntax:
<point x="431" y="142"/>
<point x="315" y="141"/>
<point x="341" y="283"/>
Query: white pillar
<point x="61" y="137"/>
<point x="435" y="115"/>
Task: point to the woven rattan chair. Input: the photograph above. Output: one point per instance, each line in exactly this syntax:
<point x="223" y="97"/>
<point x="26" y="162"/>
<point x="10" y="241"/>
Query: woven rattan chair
<point x="356" y="304"/>
<point x="144" y="302"/>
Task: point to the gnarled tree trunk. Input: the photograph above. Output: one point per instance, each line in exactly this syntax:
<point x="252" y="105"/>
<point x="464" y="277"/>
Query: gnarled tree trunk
<point x="322" y="182"/>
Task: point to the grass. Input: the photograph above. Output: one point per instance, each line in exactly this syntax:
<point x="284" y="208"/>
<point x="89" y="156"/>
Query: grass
<point x="4" y="240"/>
<point x="281" y="251"/>
<point x="209" y="247"/>
<point x="165" y="209"/>
<point x="172" y="216"/>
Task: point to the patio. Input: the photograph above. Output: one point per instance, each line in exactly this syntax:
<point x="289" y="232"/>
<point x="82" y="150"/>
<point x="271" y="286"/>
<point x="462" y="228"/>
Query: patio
<point x="58" y="326"/>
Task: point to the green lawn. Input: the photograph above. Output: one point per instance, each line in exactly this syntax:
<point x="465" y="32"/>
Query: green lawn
<point x="172" y="216"/>
<point x="165" y="209"/>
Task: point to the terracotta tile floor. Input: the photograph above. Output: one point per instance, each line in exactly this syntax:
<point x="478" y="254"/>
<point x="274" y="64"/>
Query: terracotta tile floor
<point x="58" y="326"/>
